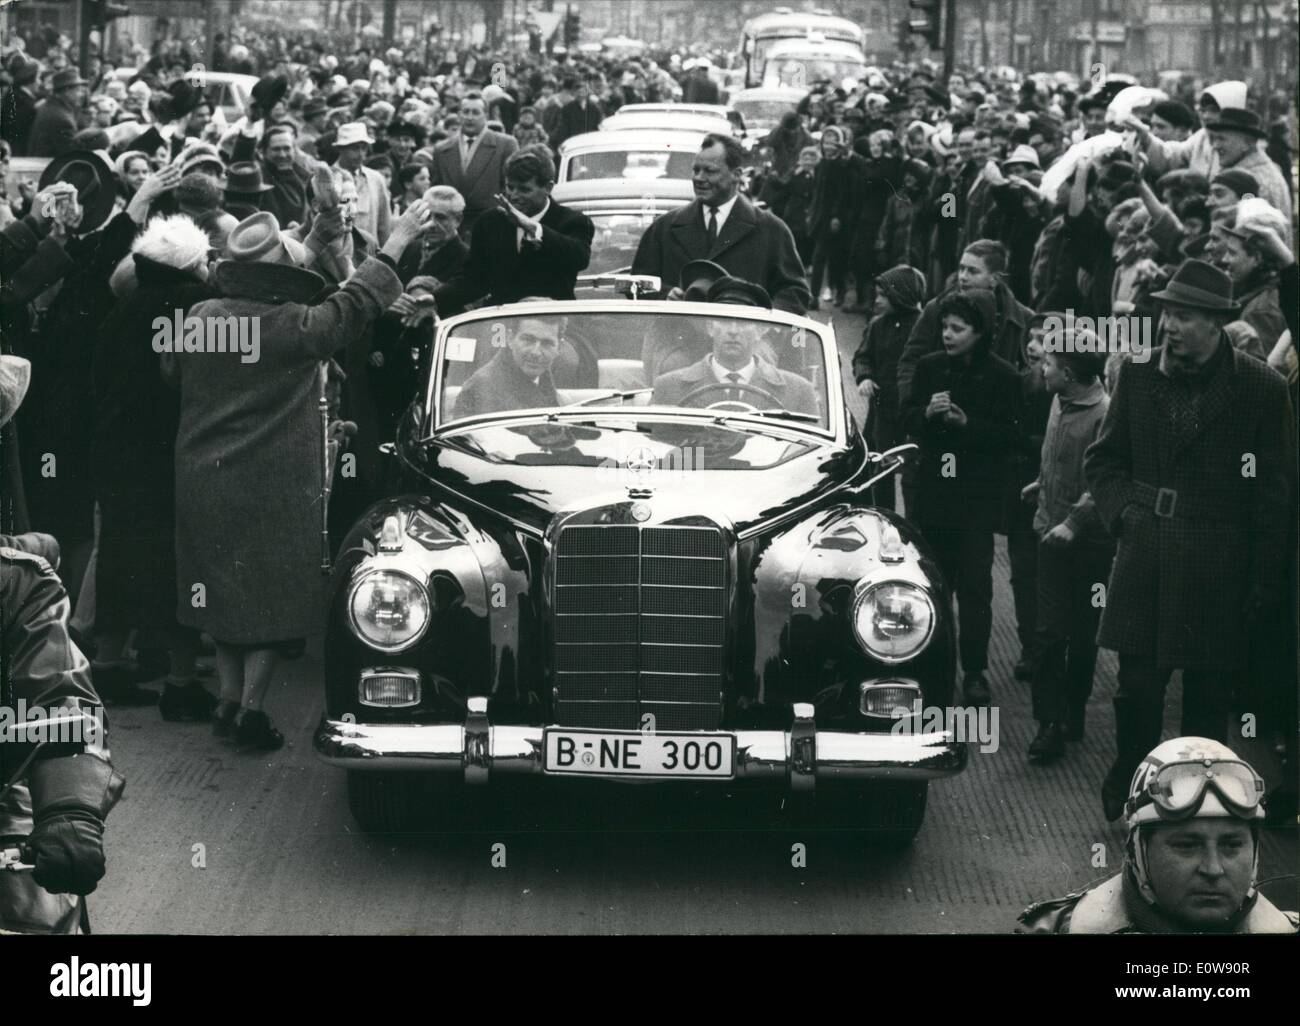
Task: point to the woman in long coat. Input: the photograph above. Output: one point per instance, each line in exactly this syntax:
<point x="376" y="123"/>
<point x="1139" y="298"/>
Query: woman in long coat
<point x="249" y="455"/>
<point x="135" y="418"/>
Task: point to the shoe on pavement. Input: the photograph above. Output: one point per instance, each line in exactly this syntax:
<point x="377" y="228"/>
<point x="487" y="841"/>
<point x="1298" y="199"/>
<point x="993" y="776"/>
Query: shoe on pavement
<point x="1049" y="745"/>
<point x="976" y="689"/>
<point x="253" y="732"/>
<point x="190" y="702"/>
<point x="223" y="719"/>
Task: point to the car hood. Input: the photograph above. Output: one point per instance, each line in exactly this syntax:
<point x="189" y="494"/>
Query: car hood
<point x="529" y="494"/>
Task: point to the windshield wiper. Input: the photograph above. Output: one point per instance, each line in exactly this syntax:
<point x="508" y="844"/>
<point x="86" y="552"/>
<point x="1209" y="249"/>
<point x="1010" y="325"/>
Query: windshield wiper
<point x="624" y="396"/>
<point x="810" y="418"/>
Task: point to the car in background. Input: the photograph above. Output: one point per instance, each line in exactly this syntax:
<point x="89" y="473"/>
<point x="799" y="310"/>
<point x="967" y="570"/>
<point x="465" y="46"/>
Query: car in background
<point x="762" y="108"/>
<point x="722" y="111"/>
<point x="655" y="580"/>
<point x="801" y="63"/>
<point x="668" y="118"/>
<point x="621" y="212"/>
<point x="224" y="90"/>
<point x="640" y="156"/>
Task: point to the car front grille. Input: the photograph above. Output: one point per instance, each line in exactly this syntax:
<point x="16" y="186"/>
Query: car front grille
<point x="640" y="622"/>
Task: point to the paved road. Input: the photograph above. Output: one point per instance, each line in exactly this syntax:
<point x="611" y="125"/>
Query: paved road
<point x="208" y="841"/>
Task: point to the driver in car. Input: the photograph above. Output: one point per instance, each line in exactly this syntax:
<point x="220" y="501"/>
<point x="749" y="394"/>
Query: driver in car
<point x="519" y="376"/>
<point x="731" y="372"/>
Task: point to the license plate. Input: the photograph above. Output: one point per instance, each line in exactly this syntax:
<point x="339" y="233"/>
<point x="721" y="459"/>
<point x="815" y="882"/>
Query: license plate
<point x="633" y="754"/>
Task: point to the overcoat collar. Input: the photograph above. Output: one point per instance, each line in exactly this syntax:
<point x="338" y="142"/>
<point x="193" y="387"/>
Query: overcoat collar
<point x="687" y="226"/>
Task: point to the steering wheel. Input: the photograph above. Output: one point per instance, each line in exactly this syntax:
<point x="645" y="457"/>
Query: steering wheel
<point x="737" y="386"/>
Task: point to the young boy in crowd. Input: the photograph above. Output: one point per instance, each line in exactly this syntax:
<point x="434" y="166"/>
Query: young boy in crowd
<point x="875" y="365"/>
<point x="1074" y="550"/>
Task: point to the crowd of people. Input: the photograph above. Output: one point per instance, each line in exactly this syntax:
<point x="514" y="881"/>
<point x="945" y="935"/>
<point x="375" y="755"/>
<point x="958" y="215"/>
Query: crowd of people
<point x="1082" y="306"/>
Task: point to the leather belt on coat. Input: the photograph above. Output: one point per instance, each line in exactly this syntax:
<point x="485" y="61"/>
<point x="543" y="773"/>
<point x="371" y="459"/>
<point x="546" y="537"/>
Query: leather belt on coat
<point x="1167" y="503"/>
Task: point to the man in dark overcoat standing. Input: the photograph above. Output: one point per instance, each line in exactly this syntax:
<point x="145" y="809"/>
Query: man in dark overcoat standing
<point x="1194" y="473"/>
<point x="723" y="226"/>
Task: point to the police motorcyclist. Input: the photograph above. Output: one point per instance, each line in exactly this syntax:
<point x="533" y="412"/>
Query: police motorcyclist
<point x="1193" y="814"/>
<point x="56" y="780"/>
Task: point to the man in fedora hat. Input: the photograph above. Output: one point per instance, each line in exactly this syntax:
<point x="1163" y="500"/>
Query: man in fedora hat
<point x="56" y="118"/>
<point x="18" y="104"/>
<point x="1191" y="472"/>
<point x="245" y="190"/>
<point x="284" y="168"/>
<point x="1235" y="138"/>
<point x="315" y="119"/>
<point x="374" y="205"/>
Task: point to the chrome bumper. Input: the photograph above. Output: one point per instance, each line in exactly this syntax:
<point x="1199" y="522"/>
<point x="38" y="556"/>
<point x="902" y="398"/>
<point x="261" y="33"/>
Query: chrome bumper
<point x="800" y="758"/>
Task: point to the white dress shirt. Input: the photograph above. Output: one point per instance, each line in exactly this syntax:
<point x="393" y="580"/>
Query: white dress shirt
<point x="535" y="236"/>
<point x="724" y="211"/>
<point x="720" y="372"/>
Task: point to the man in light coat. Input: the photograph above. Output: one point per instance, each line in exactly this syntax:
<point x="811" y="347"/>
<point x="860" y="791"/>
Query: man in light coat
<point x="374" y="210"/>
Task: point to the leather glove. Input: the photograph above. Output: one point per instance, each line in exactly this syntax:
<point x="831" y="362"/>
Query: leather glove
<point x="66" y="850"/>
<point x="70" y="798"/>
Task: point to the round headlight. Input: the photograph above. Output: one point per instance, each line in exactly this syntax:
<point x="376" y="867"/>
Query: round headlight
<point x="893" y="620"/>
<point x="389" y="610"/>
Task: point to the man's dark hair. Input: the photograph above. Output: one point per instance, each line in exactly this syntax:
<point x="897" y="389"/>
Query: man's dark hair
<point x="1084" y="367"/>
<point x="282" y="126"/>
<point x="473" y="96"/>
<point x="531" y="164"/>
<point x="1193" y="205"/>
<point x="1177" y="114"/>
<point x="570" y="84"/>
<point x="733" y="152"/>
<point x="405" y="128"/>
<point x="992" y="253"/>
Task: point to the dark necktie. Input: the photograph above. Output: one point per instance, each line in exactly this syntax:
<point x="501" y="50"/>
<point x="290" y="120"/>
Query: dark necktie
<point x="713" y="227"/>
<point x="734" y="378"/>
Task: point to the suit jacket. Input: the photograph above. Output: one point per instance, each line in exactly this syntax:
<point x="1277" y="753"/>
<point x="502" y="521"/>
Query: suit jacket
<point x="1180" y="584"/>
<point x="574" y="120"/>
<point x="52" y="130"/>
<point x="790" y="390"/>
<point x="500" y="386"/>
<point x="506" y="272"/>
<point x="444" y="263"/>
<point x="481" y="181"/>
<point x="753" y="244"/>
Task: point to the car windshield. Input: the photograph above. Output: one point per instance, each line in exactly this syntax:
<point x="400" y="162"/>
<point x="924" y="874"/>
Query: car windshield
<point x="640" y="357"/>
<point x="797" y="71"/>
<point x="614" y="244"/>
<point x="762" y="111"/>
<point x="634" y="165"/>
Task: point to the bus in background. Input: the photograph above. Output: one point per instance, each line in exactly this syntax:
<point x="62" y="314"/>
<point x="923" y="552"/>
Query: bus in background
<point x="759" y="34"/>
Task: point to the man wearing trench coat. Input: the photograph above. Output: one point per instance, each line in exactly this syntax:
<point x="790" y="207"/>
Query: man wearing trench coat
<point x="1193" y="471"/>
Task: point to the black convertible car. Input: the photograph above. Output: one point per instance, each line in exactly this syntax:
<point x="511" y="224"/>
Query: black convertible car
<point x="618" y="557"/>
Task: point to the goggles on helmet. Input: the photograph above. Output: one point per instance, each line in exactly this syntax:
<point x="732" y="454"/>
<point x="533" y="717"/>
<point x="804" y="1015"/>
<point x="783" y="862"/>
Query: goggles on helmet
<point x="1177" y="789"/>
